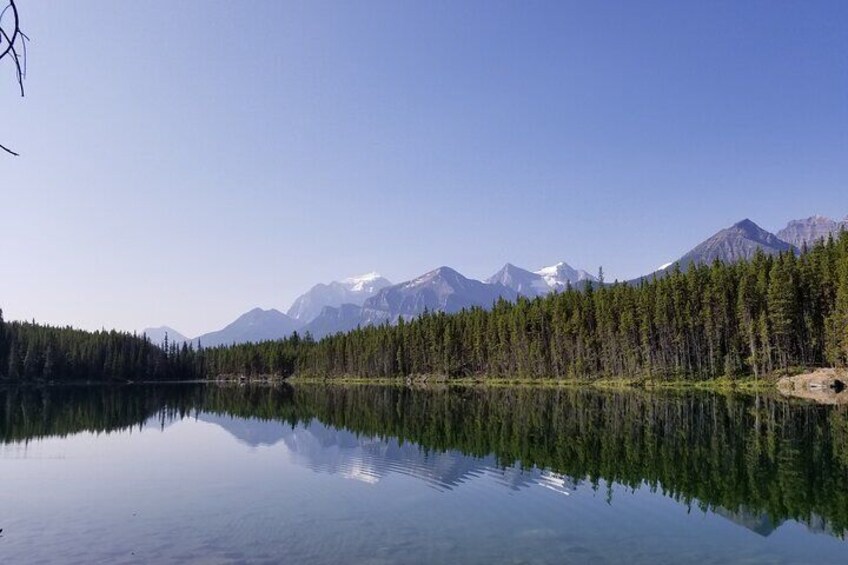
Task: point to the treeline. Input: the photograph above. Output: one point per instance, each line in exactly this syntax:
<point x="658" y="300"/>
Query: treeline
<point x="32" y="352"/>
<point x="748" y="318"/>
<point x="279" y="358"/>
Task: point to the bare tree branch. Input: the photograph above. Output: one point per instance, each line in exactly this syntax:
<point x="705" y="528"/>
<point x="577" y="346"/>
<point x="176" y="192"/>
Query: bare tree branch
<point x="13" y="45"/>
<point x="16" y="29"/>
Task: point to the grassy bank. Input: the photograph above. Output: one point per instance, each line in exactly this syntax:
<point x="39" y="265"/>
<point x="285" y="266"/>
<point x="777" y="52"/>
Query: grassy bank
<point x="748" y="383"/>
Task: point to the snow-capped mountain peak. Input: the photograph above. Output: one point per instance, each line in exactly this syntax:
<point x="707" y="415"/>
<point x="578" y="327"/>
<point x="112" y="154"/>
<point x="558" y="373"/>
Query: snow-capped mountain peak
<point x="362" y="282"/>
<point x="352" y="290"/>
<point x="521" y="281"/>
<point x="560" y="275"/>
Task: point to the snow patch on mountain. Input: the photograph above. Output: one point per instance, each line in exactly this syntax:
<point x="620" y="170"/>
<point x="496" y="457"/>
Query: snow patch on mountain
<point x="352" y="290"/>
<point x="362" y="282"/>
<point x="562" y="274"/>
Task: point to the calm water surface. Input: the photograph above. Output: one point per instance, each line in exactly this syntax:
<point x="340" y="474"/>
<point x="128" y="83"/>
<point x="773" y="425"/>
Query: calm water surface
<point x="368" y="474"/>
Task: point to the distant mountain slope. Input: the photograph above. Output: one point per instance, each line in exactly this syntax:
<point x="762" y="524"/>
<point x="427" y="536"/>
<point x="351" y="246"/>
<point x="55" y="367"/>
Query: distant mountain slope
<point x="520" y="280"/>
<point x="332" y="320"/>
<point x="157" y="335"/>
<point x="354" y="290"/>
<point x="256" y="325"/>
<point x="810" y="230"/>
<point x="442" y="289"/>
<point x="736" y="243"/>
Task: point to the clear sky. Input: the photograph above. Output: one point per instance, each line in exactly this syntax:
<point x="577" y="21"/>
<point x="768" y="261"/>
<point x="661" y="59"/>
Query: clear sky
<point x="183" y="162"/>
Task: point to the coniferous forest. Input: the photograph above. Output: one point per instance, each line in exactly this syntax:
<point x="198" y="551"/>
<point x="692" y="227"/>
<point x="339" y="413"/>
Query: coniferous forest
<point x="755" y="318"/>
<point x="32" y="352"/>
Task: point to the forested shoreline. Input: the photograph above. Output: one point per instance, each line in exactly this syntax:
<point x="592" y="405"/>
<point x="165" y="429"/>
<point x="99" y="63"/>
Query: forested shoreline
<point x="758" y="317"/>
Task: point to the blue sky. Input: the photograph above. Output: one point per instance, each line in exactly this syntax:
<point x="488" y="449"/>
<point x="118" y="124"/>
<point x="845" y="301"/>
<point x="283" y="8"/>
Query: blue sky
<point x="182" y="162"/>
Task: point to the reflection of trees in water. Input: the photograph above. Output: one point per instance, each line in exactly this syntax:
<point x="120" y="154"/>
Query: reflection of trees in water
<point x="28" y="413"/>
<point x="753" y="456"/>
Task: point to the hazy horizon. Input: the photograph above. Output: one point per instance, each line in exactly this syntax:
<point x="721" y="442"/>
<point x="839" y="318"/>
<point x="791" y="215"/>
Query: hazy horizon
<point x="181" y="166"/>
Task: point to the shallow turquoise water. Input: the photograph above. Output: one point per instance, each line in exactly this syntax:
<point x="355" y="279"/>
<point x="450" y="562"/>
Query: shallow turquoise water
<point x="190" y="474"/>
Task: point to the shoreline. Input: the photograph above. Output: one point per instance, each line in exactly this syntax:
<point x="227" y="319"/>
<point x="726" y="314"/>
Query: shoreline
<point x="819" y="385"/>
<point x="743" y="384"/>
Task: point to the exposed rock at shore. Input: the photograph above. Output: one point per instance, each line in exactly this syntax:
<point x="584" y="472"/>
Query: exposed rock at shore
<point x="823" y="386"/>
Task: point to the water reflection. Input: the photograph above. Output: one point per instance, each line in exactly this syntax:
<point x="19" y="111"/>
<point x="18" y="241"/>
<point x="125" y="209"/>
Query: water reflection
<point x="756" y="461"/>
<point x="325" y="449"/>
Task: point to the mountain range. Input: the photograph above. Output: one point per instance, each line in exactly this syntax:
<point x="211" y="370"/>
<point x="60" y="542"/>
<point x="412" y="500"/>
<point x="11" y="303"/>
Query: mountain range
<point x="372" y="299"/>
<point x="442" y="289"/>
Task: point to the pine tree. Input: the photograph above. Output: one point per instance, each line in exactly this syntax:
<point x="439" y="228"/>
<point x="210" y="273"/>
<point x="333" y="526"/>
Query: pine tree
<point x="32" y="362"/>
<point x="782" y="307"/>
<point x="837" y="322"/>
<point x="4" y="363"/>
<point x="49" y="363"/>
<point x="14" y="370"/>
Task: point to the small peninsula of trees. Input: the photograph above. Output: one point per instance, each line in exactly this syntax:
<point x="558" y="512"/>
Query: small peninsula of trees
<point x="755" y="317"/>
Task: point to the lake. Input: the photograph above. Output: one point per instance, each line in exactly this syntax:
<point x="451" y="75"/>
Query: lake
<point x="389" y="474"/>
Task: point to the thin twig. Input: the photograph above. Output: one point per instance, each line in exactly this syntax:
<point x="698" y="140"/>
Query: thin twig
<point x="16" y="58"/>
<point x="7" y="150"/>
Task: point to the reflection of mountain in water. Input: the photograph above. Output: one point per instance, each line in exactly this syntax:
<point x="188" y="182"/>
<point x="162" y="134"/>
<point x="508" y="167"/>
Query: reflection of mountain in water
<point x="325" y="449"/>
<point x="758" y="523"/>
<point x="254" y="433"/>
<point x="764" y="525"/>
